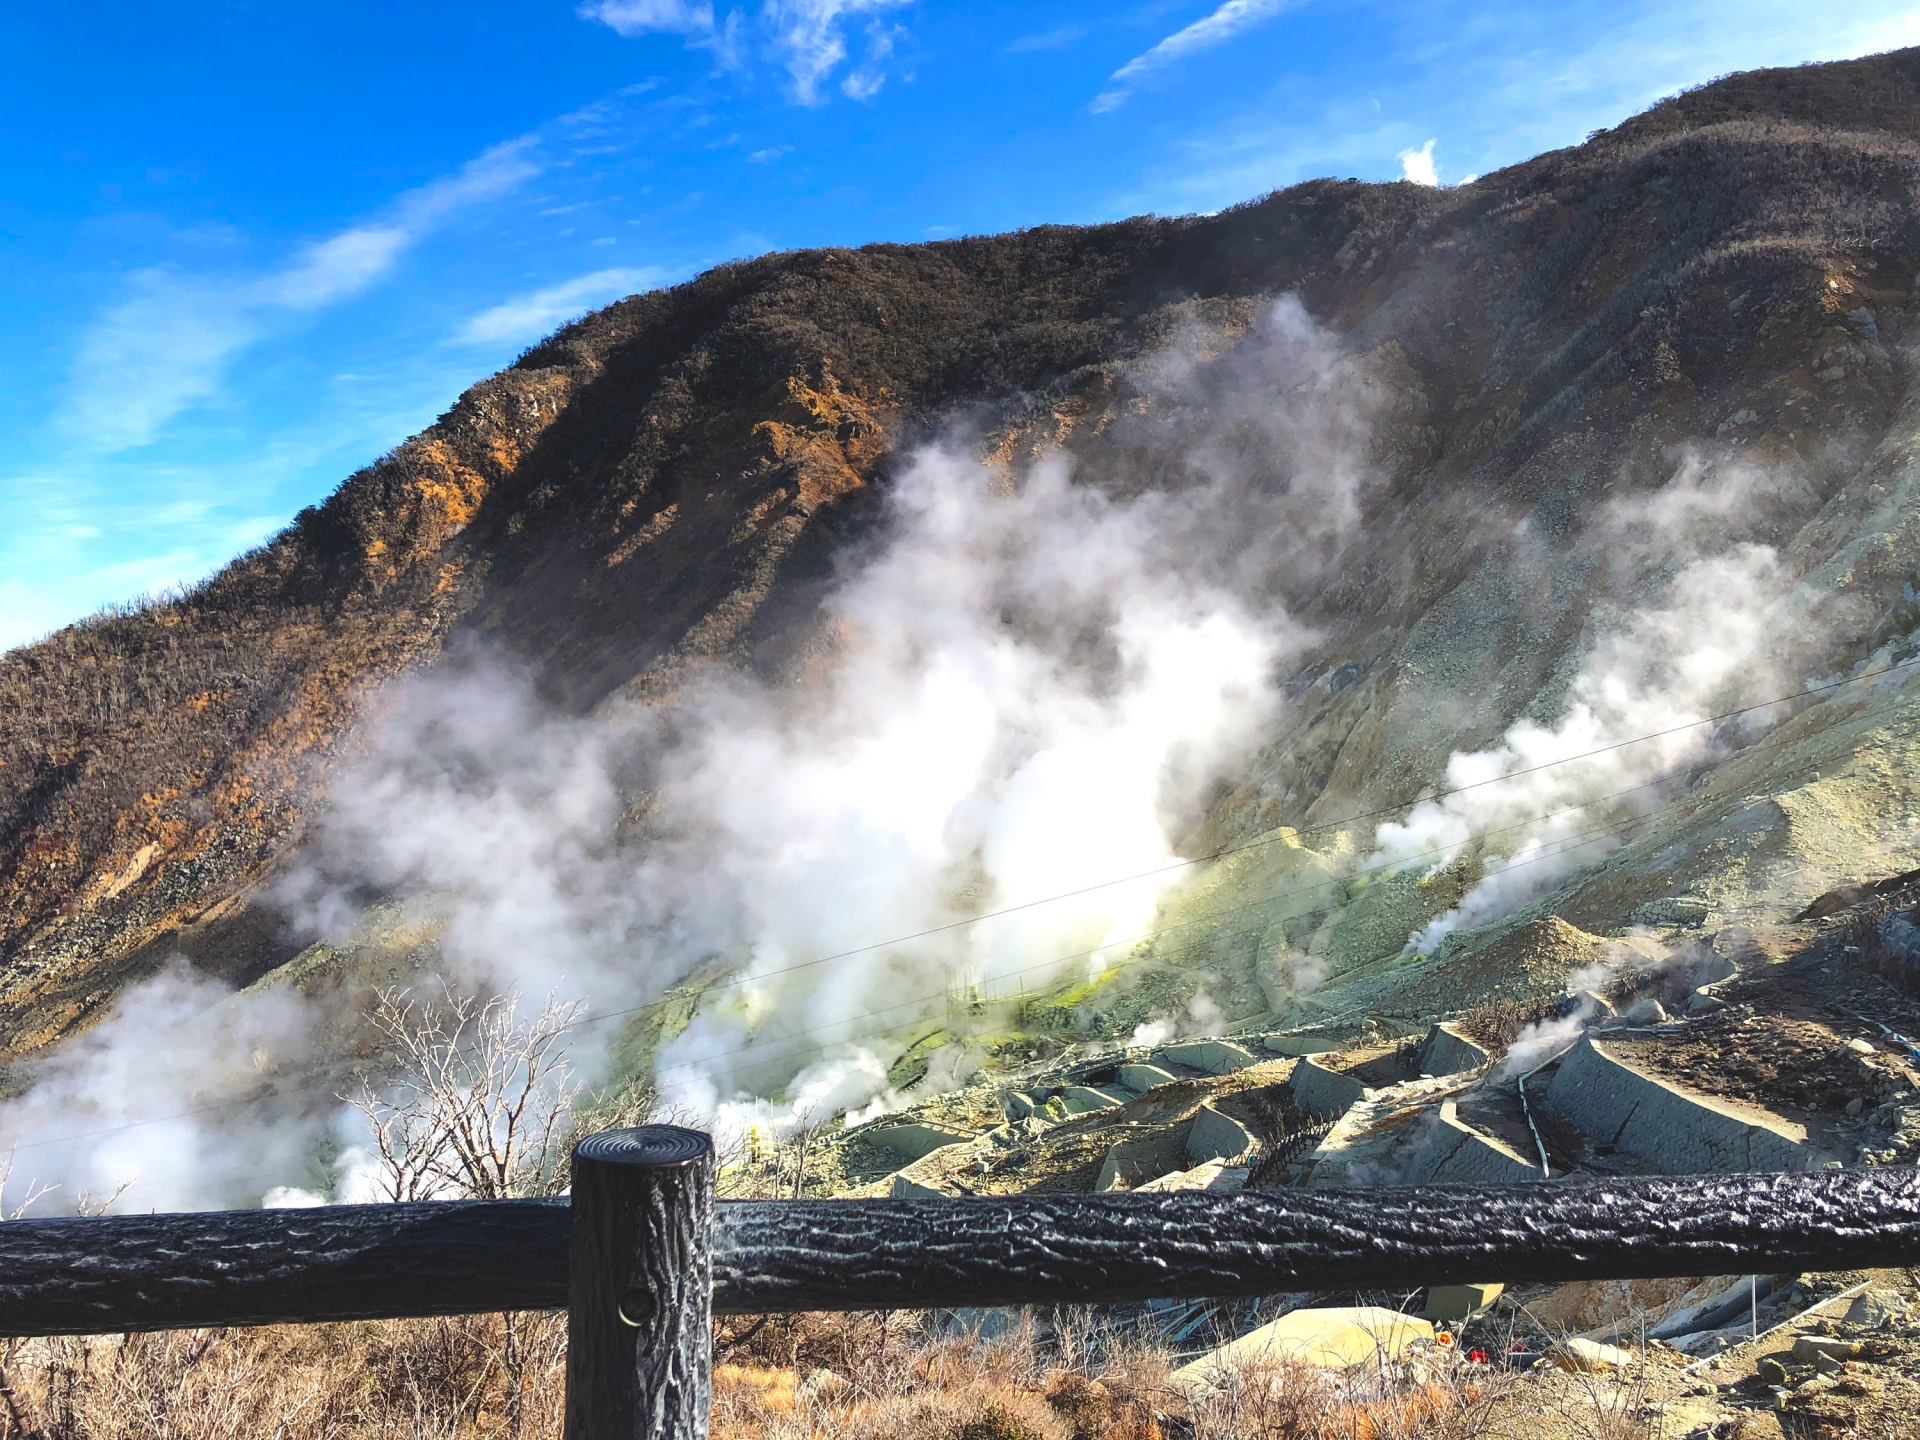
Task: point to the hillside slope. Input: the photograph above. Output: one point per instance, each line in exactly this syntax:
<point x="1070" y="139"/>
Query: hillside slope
<point x="669" y="480"/>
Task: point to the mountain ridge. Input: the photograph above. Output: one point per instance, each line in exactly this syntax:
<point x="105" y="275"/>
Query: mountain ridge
<point x="667" y="481"/>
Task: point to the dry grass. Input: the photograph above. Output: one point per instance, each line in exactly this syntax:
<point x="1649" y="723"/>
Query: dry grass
<point x="805" y="1377"/>
<point x="395" y="1379"/>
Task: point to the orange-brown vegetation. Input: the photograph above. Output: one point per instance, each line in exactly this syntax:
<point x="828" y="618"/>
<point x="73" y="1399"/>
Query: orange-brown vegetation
<point x="667" y="480"/>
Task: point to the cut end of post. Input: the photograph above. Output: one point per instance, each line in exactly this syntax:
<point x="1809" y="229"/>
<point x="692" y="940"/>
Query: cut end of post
<point x="650" y="1146"/>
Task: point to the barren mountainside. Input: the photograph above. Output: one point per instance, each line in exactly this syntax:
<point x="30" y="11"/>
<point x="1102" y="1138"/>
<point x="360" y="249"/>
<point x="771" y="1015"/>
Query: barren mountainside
<point x="1711" y="300"/>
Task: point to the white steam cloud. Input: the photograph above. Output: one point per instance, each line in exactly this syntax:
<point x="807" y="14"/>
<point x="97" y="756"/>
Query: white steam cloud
<point x="1707" y="642"/>
<point x="1027" y="686"/>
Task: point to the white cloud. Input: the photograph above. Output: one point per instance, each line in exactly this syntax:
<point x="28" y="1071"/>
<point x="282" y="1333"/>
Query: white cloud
<point x="769" y="155"/>
<point x="641" y="17"/>
<point x="167" y="347"/>
<point x="810" y="39"/>
<point x="1222" y="25"/>
<point x="536" y="313"/>
<point x="1059" y="39"/>
<point x="1417" y="165"/>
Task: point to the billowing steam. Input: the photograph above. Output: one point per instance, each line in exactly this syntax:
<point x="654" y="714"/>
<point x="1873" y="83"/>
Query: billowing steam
<point x="1711" y="634"/>
<point x="1030" y="683"/>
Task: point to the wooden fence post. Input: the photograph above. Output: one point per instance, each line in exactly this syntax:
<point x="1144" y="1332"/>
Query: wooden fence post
<point x="640" y="1286"/>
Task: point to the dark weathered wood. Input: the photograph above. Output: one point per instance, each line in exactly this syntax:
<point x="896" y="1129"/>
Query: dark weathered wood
<point x="260" y="1267"/>
<point x="1090" y="1249"/>
<point x="640" y="1306"/>
<point x="257" y="1267"/>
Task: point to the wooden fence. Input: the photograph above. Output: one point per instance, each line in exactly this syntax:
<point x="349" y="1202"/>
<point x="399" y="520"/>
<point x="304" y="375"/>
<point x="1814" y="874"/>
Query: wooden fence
<point x="642" y="1256"/>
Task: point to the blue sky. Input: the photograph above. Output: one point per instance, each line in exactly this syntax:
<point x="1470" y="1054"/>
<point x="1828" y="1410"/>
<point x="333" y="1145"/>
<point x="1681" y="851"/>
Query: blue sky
<point x="246" y="247"/>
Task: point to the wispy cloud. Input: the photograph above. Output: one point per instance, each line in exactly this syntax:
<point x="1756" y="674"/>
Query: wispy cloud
<point x="642" y="17"/>
<point x="1058" y="39"/>
<point x="769" y="155"/>
<point x="538" y="312"/>
<point x="1231" y="19"/>
<point x="810" y="39"/>
<point x="168" y="345"/>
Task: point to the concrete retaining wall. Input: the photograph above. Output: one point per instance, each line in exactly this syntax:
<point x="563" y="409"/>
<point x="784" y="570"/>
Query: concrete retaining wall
<point x="1319" y="1090"/>
<point x="1214" y="1136"/>
<point x="914" y="1139"/>
<point x="1446" y="1051"/>
<point x="1215" y="1057"/>
<point x="1457" y="1154"/>
<point x="1142" y="1078"/>
<point x="1682" y="1133"/>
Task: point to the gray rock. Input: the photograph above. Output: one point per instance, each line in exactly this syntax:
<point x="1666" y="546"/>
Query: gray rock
<point x="1018" y="1105"/>
<point x="1809" y="1348"/>
<point x="1645" y="1011"/>
<point x="1590" y="1004"/>
<point x="1876" y="1307"/>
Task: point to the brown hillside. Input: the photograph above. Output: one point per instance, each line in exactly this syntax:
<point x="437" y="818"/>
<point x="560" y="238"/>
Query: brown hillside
<point x="667" y="479"/>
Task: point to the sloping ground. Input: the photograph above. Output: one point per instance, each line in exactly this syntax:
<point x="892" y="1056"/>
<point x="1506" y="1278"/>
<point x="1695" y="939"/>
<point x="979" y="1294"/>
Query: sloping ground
<point x="668" y="479"/>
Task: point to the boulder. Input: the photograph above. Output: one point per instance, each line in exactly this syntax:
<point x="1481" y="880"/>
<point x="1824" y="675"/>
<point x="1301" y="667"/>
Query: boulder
<point x="1446" y="1051"/>
<point x="1586" y="1357"/>
<point x="1018" y="1105"/>
<point x="1338" y="1338"/>
<point x="1319" y="1089"/>
<point x="1215" y="1136"/>
<point x="1645" y="1011"/>
<point x="1213" y="1057"/>
<point x="1589" y="1005"/>
<point x="1809" y="1348"/>
<point x="1681" y="1133"/>
<point x="1142" y="1078"/>
<point x="1876" y="1307"/>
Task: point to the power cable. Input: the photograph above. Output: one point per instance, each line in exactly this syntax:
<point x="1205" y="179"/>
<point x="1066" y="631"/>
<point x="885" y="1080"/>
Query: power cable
<point x="1279" y="836"/>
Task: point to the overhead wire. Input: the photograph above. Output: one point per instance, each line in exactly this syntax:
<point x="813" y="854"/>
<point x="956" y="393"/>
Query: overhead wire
<point x="815" y="1044"/>
<point x="1281" y="835"/>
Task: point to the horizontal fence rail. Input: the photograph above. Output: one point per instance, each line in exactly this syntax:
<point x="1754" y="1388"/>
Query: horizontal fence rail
<point x="346" y="1262"/>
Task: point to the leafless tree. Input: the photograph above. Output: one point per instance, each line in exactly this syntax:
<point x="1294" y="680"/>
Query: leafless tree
<point x="478" y="1109"/>
<point x="480" y="1099"/>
